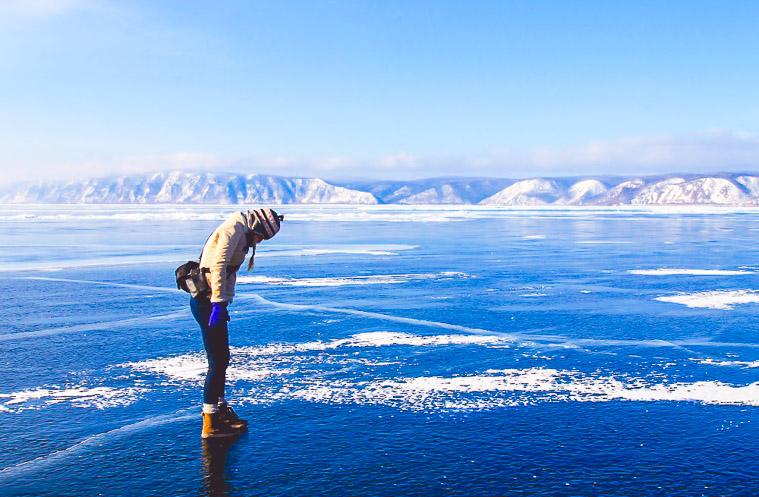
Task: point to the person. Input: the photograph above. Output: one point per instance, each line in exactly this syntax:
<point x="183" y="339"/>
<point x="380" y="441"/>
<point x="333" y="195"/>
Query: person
<point x="223" y="254"/>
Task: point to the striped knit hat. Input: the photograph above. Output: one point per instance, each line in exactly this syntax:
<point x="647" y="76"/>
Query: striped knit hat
<point x="265" y="222"/>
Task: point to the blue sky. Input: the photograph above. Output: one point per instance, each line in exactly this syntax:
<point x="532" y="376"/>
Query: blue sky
<point x="383" y="89"/>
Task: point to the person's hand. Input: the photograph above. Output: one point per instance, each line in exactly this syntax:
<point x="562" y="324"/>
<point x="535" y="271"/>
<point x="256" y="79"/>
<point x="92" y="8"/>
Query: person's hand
<point x="219" y="314"/>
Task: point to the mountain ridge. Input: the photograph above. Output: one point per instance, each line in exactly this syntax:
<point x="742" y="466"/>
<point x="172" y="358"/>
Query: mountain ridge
<point x="182" y="187"/>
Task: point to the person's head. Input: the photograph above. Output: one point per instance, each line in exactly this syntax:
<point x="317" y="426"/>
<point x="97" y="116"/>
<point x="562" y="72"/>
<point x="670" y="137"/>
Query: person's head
<point x="265" y="223"/>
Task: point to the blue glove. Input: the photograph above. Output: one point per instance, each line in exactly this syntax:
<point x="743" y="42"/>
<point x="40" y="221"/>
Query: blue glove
<point x="219" y="314"/>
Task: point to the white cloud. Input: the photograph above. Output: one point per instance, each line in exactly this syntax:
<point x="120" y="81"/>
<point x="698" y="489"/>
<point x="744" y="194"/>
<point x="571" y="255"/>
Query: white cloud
<point x="113" y="166"/>
<point x="35" y="9"/>
<point x="400" y="161"/>
<point x="702" y="152"/>
<point x="179" y="160"/>
<point x="708" y="151"/>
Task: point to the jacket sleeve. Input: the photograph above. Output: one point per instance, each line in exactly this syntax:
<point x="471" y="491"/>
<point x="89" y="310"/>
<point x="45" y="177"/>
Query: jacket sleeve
<point x="230" y="287"/>
<point x="226" y="241"/>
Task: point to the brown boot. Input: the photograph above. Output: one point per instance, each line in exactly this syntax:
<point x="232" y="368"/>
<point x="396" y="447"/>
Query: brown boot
<point x="215" y="427"/>
<point x="230" y="417"/>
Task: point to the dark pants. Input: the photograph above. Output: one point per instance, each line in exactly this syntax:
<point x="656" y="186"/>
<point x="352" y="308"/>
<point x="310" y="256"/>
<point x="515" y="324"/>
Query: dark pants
<point x="216" y="343"/>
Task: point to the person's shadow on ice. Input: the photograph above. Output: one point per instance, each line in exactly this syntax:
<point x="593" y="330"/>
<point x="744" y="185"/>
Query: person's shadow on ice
<point x="214" y="459"/>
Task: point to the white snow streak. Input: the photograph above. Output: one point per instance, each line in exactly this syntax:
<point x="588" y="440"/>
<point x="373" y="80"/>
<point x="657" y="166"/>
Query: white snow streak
<point x="691" y="272"/>
<point x="78" y="396"/>
<point x="512" y="387"/>
<point x="379" y="279"/>
<point x="720" y="299"/>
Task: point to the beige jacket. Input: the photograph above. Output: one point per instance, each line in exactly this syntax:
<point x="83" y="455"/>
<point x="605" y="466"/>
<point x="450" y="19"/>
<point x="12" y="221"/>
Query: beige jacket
<point x="224" y="253"/>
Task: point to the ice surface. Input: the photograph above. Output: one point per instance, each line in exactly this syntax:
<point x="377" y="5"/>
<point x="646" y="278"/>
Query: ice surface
<point x="93" y="441"/>
<point x="19" y="213"/>
<point x="173" y="257"/>
<point x="558" y="347"/>
<point x="99" y="326"/>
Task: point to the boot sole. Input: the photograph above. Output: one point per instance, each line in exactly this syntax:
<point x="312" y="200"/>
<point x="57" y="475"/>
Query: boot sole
<point x="218" y="435"/>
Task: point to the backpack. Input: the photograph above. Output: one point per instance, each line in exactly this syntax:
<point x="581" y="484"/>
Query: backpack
<point x="191" y="277"/>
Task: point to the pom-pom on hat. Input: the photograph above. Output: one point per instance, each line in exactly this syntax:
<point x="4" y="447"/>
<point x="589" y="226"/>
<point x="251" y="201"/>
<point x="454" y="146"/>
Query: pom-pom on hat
<point x="265" y="222"/>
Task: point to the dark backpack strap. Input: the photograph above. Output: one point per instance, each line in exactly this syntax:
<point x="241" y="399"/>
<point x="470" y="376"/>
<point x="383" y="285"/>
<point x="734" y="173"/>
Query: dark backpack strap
<point x="204" y="246"/>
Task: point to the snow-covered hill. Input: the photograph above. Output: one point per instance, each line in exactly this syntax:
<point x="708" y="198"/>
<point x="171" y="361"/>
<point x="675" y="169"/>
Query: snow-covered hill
<point x="190" y="188"/>
<point x="433" y="190"/>
<point x="204" y="188"/>
<point x="738" y="190"/>
<point x="583" y="191"/>
<point x="709" y="190"/>
<point x="526" y="192"/>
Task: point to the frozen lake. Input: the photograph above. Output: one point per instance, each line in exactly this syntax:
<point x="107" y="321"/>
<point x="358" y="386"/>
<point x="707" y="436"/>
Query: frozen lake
<point x="386" y="351"/>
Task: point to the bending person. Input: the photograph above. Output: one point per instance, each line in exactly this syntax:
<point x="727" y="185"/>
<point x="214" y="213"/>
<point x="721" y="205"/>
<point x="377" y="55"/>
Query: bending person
<point x="223" y="254"/>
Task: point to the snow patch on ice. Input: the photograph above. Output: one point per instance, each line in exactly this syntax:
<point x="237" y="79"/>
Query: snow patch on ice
<point x="388" y="338"/>
<point x="603" y="242"/>
<point x="713" y="362"/>
<point x="307" y="374"/>
<point x="192" y="368"/>
<point x="337" y="371"/>
<point x="720" y="299"/>
<point x="77" y="396"/>
<point x="379" y="279"/>
<point x="369" y="249"/>
<point x="512" y="387"/>
<point x="254" y="363"/>
<point x="371" y="339"/>
<point x="693" y="272"/>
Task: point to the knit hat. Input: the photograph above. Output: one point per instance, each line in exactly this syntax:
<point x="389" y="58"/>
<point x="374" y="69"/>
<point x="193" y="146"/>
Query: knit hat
<point x="265" y="222"/>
